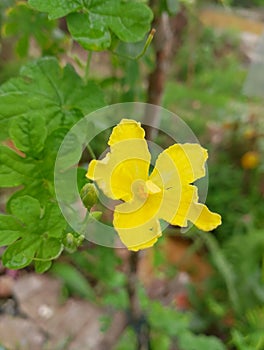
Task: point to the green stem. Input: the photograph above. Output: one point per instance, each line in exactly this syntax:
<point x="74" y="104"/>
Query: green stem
<point x="142" y="53"/>
<point x="90" y="150"/>
<point x="136" y="314"/>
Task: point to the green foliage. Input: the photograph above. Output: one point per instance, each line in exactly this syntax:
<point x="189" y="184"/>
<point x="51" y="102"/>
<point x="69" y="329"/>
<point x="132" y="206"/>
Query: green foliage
<point x="247" y="3"/>
<point x="93" y="23"/>
<point x="206" y="50"/>
<point x="245" y="253"/>
<point x="39" y="106"/>
<point x="28" y="134"/>
<point x="44" y="88"/>
<point x="200" y="342"/>
<point x="249" y="336"/>
<point x="211" y="99"/>
<point x="4" y="4"/>
<point x="127" y="341"/>
<point x="19" y="22"/>
<point x="100" y="266"/>
<point x="37" y="109"/>
<point x="73" y="280"/>
<point x="235" y="293"/>
<point x="169" y="326"/>
<point x="14" y="171"/>
<point x="31" y="233"/>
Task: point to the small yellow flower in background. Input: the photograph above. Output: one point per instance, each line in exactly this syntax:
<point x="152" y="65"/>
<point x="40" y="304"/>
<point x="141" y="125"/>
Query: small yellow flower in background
<point x="250" y="160"/>
<point x="167" y="193"/>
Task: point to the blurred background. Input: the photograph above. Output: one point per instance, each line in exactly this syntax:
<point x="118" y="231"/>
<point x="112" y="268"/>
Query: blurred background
<point x="198" y="291"/>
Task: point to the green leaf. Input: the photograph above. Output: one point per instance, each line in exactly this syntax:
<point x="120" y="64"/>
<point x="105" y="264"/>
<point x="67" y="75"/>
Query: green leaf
<point x="189" y="341"/>
<point x="26" y="209"/>
<point x="89" y="32"/>
<point x="167" y="320"/>
<point x="160" y="341"/>
<point x="71" y="151"/>
<point x="52" y="221"/>
<point x="42" y="266"/>
<point x="34" y="233"/>
<point x="129" y="21"/>
<point x="22" y="46"/>
<point x="20" y="253"/>
<point x="14" y="170"/>
<point x="9" y="230"/>
<point x="56" y="8"/>
<point x="49" y="249"/>
<point x="28" y="133"/>
<point x="45" y="89"/>
<point x="50" y="152"/>
<point x="20" y="20"/>
<point x="127" y="340"/>
<point x="73" y="279"/>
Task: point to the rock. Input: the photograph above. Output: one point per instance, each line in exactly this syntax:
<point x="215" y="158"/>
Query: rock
<point x="19" y="333"/>
<point x="6" y="286"/>
<point x="76" y="321"/>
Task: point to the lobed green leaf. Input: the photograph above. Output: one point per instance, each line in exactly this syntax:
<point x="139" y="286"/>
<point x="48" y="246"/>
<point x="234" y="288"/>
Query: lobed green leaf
<point x="10" y="230"/>
<point x="33" y="233"/>
<point x="90" y="21"/>
<point x="28" y="133"/>
<point x="56" y="8"/>
<point x="14" y="170"/>
<point x="20" y="253"/>
<point x="88" y="31"/>
<point x="46" y="90"/>
<point x="26" y="209"/>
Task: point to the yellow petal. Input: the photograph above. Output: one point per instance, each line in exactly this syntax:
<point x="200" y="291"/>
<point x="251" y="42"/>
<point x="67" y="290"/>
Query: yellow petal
<point x="175" y="169"/>
<point x="203" y="218"/>
<point x="179" y="164"/>
<point x="175" y="205"/>
<point x="125" y="130"/>
<point x="127" y="161"/>
<point x="142" y="237"/>
<point x="186" y="208"/>
<point x="137" y="221"/>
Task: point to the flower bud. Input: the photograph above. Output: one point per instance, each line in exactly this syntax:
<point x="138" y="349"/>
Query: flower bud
<point x="89" y="195"/>
<point x="71" y="243"/>
<point x="250" y="160"/>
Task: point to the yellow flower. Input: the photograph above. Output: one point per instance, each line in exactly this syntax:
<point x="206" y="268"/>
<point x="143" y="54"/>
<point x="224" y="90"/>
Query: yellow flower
<point x="167" y="193"/>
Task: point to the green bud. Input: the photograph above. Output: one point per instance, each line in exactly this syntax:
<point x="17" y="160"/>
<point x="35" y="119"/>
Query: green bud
<point x="79" y="240"/>
<point x="89" y="195"/>
<point x="71" y="243"/>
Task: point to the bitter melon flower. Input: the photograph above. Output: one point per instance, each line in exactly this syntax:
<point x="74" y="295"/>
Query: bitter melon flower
<point x="167" y="192"/>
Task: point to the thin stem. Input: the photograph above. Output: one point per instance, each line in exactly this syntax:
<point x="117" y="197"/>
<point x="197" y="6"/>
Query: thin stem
<point x="90" y="150"/>
<point x="136" y="315"/>
<point x="142" y="53"/>
<point x="132" y="284"/>
<point x="148" y="42"/>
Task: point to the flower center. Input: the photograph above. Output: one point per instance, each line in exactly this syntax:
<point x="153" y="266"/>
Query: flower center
<point x="143" y="189"/>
